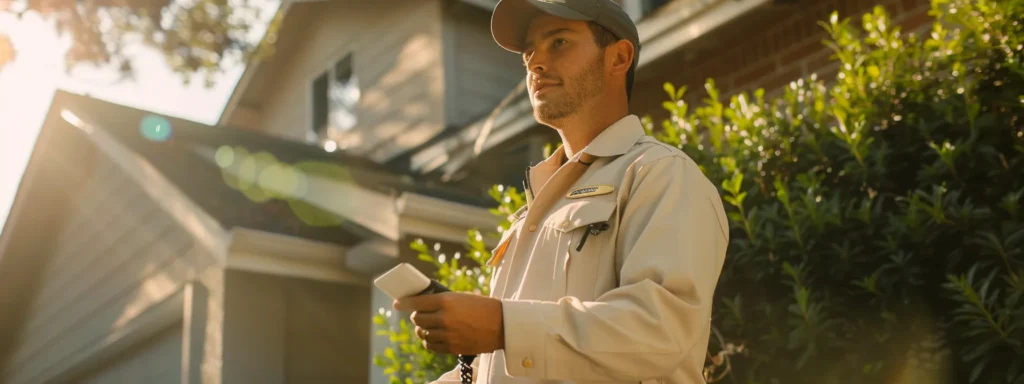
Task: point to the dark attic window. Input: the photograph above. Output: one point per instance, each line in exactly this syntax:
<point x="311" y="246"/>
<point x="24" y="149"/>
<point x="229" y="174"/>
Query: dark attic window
<point x="335" y="96"/>
<point x="320" y="112"/>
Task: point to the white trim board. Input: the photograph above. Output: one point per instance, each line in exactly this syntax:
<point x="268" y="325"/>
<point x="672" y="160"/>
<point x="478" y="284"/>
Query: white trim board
<point x="271" y="253"/>
<point x="442" y="219"/>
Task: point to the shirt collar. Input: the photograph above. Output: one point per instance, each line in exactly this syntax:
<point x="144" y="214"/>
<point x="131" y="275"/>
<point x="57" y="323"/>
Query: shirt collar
<point x="618" y="138"/>
<point x="615" y="140"/>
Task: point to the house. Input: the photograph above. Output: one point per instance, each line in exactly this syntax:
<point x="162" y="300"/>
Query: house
<point x="144" y="248"/>
<point x="148" y="252"/>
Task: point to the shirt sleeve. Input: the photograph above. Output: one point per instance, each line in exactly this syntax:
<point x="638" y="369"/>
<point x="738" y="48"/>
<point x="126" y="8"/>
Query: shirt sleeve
<point x="672" y="240"/>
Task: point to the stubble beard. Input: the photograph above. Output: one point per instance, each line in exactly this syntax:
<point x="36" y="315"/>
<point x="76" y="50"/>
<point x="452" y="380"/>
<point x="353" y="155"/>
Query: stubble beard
<point x="578" y="91"/>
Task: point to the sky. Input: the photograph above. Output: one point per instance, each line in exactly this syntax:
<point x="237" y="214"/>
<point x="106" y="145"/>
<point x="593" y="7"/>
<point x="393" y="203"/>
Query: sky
<point x="28" y="83"/>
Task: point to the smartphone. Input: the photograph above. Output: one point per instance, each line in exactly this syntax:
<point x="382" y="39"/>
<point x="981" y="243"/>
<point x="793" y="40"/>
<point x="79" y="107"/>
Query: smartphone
<point x="404" y="280"/>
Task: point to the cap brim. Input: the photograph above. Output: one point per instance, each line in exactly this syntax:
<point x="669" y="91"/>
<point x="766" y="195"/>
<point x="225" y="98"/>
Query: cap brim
<point x="512" y="18"/>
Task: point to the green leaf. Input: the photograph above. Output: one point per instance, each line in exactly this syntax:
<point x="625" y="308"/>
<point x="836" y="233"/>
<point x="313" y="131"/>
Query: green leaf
<point x="1014" y="370"/>
<point x="734" y="216"/>
<point x="978" y="369"/>
<point x="734" y="183"/>
<point x="427" y="257"/>
<point x="670" y="90"/>
<point x="873" y="71"/>
<point x="976" y="351"/>
<point x="419" y="246"/>
<point x="789" y="270"/>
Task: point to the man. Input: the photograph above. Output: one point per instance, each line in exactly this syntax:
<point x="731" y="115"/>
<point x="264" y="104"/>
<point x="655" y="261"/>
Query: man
<point x="608" y="274"/>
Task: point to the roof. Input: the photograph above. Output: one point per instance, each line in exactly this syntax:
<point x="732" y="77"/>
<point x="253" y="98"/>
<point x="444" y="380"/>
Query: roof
<point x="187" y="158"/>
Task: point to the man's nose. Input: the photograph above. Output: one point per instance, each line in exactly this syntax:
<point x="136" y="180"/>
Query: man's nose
<point x="537" y="63"/>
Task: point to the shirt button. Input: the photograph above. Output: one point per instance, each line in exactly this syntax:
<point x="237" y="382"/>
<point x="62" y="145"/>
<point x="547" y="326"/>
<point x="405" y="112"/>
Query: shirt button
<point x="527" y="363"/>
<point x="533" y="227"/>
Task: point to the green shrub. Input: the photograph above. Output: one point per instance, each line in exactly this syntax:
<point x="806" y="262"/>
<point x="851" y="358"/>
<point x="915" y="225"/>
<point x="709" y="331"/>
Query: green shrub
<point x="877" y="233"/>
<point x="876" y="217"/>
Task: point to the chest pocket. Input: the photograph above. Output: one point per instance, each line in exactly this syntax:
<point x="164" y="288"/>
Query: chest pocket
<point x="586" y="232"/>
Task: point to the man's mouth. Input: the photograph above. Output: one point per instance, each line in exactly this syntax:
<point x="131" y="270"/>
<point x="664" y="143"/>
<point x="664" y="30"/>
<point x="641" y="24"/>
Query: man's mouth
<point x="541" y="87"/>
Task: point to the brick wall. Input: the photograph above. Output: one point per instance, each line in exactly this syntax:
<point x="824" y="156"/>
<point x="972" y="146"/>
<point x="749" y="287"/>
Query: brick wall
<point x="767" y="49"/>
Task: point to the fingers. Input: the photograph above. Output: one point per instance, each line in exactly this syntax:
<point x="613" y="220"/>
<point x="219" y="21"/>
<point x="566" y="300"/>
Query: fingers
<point x="434" y="339"/>
<point x="437" y="347"/>
<point x="436" y="336"/>
<point x="428" y="320"/>
<point x="432" y="320"/>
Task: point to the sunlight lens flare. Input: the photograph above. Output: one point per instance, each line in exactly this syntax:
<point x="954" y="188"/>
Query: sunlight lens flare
<point x="261" y="177"/>
<point x="155" y="128"/>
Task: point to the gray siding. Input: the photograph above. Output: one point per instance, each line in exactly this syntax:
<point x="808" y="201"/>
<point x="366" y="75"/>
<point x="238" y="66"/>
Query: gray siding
<point x="152" y="362"/>
<point x="396" y="46"/>
<point x="286" y="330"/>
<point x="478" y="72"/>
<point x="118" y="255"/>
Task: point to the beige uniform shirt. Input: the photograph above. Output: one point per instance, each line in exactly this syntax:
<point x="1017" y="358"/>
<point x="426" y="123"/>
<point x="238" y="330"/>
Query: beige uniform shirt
<point x="614" y="282"/>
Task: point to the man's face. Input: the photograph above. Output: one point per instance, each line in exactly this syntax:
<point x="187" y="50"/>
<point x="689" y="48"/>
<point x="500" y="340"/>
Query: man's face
<point x="564" y="67"/>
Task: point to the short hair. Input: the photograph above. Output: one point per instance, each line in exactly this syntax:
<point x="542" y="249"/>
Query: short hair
<point x="604" y="37"/>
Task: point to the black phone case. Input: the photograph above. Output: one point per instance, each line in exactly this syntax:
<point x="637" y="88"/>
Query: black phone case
<point x="434" y="287"/>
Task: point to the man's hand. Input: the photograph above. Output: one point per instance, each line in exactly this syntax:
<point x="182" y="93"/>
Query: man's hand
<point x="456" y="323"/>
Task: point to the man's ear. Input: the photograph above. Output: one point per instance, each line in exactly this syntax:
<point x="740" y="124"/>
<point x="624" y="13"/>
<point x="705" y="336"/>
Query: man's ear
<point x="621" y="53"/>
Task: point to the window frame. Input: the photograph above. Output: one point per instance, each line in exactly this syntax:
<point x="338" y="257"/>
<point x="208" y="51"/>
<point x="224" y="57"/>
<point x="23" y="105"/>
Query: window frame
<point x="330" y="71"/>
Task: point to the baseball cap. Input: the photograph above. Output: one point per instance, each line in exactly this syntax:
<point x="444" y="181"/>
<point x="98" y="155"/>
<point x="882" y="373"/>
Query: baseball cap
<point x="511" y="18"/>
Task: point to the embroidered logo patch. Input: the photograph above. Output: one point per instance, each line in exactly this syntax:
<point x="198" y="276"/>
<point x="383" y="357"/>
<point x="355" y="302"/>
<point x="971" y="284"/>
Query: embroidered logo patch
<point x="590" y="191"/>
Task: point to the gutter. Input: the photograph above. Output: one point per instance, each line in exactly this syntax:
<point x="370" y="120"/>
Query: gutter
<point x="660" y="35"/>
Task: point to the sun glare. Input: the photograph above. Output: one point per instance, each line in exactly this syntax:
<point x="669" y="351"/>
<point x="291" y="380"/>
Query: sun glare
<point x="27" y="86"/>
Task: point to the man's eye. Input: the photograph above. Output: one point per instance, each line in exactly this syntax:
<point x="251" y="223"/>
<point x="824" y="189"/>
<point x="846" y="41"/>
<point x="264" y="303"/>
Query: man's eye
<point x="559" y="42"/>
